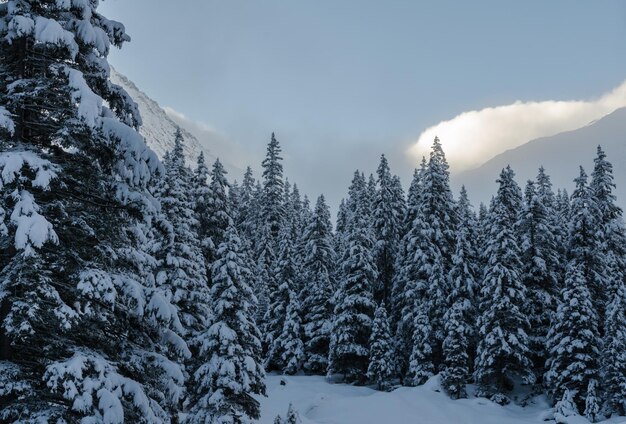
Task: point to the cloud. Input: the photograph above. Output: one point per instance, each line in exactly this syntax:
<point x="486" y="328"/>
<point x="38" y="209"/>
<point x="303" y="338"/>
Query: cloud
<point x="473" y="137"/>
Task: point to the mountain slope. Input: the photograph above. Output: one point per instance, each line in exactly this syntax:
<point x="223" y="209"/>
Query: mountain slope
<point x="158" y="128"/>
<point x="560" y="154"/>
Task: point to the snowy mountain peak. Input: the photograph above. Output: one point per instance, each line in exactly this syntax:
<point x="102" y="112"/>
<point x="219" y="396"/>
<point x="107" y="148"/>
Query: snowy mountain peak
<point x="158" y="128"/>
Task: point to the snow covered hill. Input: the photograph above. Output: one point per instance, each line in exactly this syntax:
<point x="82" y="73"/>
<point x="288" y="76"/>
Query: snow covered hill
<point x="158" y="128"/>
<point x="319" y="402"/>
<point x="560" y="154"/>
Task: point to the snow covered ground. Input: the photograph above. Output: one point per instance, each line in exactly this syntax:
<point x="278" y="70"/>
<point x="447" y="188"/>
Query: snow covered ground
<point x="320" y="402"/>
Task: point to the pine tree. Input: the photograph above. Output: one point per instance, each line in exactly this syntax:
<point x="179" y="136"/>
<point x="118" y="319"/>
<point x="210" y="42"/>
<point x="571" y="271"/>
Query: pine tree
<point x="354" y="310"/>
<point x="592" y="406"/>
<point x="541" y="267"/>
<point x="614" y="353"/>
<point x="248" y="207"/>
<point x="290" y="340"/>
<point x="503" y="347"/>
<point x="460" y="318"/>
<point x="381" y="368"/>
<point x="420" y="366"/>
<point x="181" y="270"/>
<point x="79" y="338"/>
<point x="584" y="241"/>
<point x="565" y="408"/>
<point x="439" y="224"/>
<point x="272" y="207"/>
<point x="611" y="227"/>
<point x="573" y="340"/>
<point x="456" y="352"/>
<point x="318" y="288"/>
<point x="232" y="373"/>
<point x="201" y="199"/>
<point x="218" y="210"/>
<point x="280" y="299"/>
<point x="403" y="257"/>
<point x="292" y="416"/>
<point x="388" y="214"/>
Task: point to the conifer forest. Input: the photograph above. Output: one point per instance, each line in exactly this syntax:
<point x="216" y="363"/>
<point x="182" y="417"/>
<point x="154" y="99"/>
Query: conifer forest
<point x="138" y="289"/>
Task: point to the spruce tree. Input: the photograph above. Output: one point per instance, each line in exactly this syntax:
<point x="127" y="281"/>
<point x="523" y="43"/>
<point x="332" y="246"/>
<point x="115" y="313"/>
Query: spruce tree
<point x="201" y="198"/>
<point x="420" y="366"/>
<point x="456" y="348"/>
<point x="78" y="328"/>
<point x="181" y="270"/>
<point x="592" y="405"/>
<point x="232" y="373"/>
<point x="272" y="207"/>
<point x="614" y="353"/>
<point x="541" y="267"/>
<point x="354" y="310"/>
<point x="573" y="340"/>
<point x="460" y="318"/>
<point x="503" y="347"/>
<point x="318" y="289"/>
<point x="290" y="339"/>
<point x="280" y="299"/>
<point x="610" y="224"/>
<point x="388" y="213"/>
<point x="381" y="368"/>
<point x="218" y="209"/>
<point x="585" y="241"/>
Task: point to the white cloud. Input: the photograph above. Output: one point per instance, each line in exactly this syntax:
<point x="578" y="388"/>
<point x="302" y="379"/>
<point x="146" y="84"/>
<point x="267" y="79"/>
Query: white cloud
<point x="473" y="137"/>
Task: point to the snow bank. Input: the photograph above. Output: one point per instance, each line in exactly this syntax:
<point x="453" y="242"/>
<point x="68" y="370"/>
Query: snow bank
<point x="319" y="402"/>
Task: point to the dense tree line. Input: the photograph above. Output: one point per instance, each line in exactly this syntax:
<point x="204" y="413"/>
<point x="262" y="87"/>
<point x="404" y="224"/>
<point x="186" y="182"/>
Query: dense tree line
<point x="140" y="290"/>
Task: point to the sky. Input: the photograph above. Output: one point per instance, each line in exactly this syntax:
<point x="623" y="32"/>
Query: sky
<point x="341" y="82"/>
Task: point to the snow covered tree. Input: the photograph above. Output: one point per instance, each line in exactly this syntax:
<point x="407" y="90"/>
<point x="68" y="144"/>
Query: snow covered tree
<point x="81" y="337"/>
<point x="201" y="198"/>
<point x="592" y="405"/>
<point x="456" y="348"/>
<point x="503" y="347"/>
<point x="611" y="228"/>
<point x="381" y="368"/>
<point x="573" y="340"/>
<point x="218" y="211"/>
<point x="584" y="241"/>
<point x="289" y="342"/>
<point x="388" y="215"/>
<point x="280" y="299"/>
<point x="614" y="353"/>
<point x="272" y="207"/>
<point x="292" y="416"/>
<point x="181" y="270"/>
<point x="438" y="204"/>
<point x="541" y="267"/>
<point x="232" y="373"/>
<point x="565" y="408"/>
<point x="248" y="208"/>
<point x="460" y="319"/>
<point x="354" y="310"/>
<point x="420" y="366"/>
<point x="318" y="267"/>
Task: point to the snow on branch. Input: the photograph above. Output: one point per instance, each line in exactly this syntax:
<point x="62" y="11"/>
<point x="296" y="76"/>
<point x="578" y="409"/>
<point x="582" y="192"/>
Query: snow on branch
<point x="97" y="390"/>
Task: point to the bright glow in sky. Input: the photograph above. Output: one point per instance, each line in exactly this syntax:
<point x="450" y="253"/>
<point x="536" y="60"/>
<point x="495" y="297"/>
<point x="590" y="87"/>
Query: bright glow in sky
<point x="472" y="137"/>
<point x="342" y="82"/>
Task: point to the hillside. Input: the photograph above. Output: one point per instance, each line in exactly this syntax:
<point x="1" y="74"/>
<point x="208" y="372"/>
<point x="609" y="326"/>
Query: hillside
<point x="560" y="154"/>
<point x="158" y="128"/>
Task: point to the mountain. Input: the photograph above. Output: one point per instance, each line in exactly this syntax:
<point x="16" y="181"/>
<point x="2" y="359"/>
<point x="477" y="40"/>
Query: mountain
<point x="158" y="127"/>
<point x="560" y="154"/>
